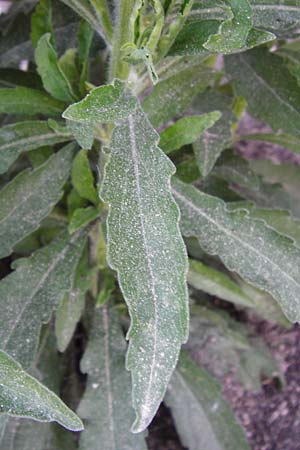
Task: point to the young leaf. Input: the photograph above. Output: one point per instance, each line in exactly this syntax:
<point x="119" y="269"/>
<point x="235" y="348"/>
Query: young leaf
<point x="41" y="21"/>
<point x="54" y="79"/>
<point x="216" y="283"/>
<point x="213" y="141"/>
<point x="81" y="217"/>
<point x="103" y="104"/>
<point x="30" y="294"/>
<point x="173" y="95"/>
<point x="22" y="395"/>
<point x="146" y="248"/>
<point x="105" y="407"/>
<point x="247" y="246"/>
<point x="82" y="178"/>
<point x="30" y="196"/>
<point x="23" y="136"/>
<point x="186" y="131"/>
<point x="258" y="75"/>
<point x="71" y="307"/>
<point x="203" y="419"/>
<point x="23" y="100"/>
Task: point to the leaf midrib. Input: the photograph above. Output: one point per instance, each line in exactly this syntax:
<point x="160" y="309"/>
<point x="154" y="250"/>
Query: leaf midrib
<point x="33" y="139"/>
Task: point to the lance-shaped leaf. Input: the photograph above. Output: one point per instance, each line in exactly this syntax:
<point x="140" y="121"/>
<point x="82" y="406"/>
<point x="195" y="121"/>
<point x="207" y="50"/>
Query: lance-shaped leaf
<point x="202" y="417"/>
<point x="103" y="104"/>
<point x="30" y="294"/>
<point x="212" y="142"/>
<point x="284" y="140"/>
<point x="247" y="246"/>
<point x="82" y="178"/>
<point x="105" y="407"/>
<point x="22" y="395"/>
<point x="23" y="136"/>
<point x="30" y="196"/>
<point x="258" y="75"/>
<point x="146" y="248"/>
<point x="23" y="100"/>
<point x="186" y="130"/>
<point x="54" y="79"/>
<point x="41" y="21"/>
<point x="216" y="283"/>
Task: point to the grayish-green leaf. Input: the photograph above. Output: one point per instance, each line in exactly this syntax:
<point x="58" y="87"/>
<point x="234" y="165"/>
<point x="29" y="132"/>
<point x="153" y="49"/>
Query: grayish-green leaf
<point x="103" y="104"/>
<point x="146" y="248"/>
<point x="23" y="100"/>
<point x="30" y="196"/>
<point x="202" y="417"/>
<point x="105" y="407"/>
<point x="82" y="178"/>
<point x="272" y="93"/>
<point x="172" y="96"/>
<point x="213" y="141"/>
<point x="83" y="132"/>
<point x="216" y="283"/>
<point x="247" y="246"/>
<point x="22" y="395"/>
<point x="186" y="130"/>
<point x="281" y="17"/>
<point x="24" y="136"/>
<point x="284" y="140"/>
<point x="30" y="294"/>
<point x="236" y="170"/>
<point x="54" y="79"/>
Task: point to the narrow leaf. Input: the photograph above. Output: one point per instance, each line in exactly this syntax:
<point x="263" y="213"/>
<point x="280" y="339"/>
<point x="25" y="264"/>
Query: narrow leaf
<point x="186" y="130"/>
<point x="248" y="246"/>
<point x="22" y="395"/>
<point x="23" y="100"/>
<point x="284" y="140"/>
<point x="105" y="405"/>
<point x="24" y="136"/>
<point x="54" y="79"/>
<point x="103" y="104"/>
<point x="82" y="178"/>
<point x="30" y="196"/>
<point x="30" y="294"/>
<point x="202" y="417"/>
<point x="81" y="217"/>
<point x="41" y="21"/>
<point x="146" y="248"/>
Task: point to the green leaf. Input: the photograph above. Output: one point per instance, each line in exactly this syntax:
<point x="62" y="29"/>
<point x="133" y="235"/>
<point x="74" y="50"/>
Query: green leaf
<point x="272" y="93"/>
<point x="102" y="11"/>
<point x="83" y="132"/>
<point x="279" y="17"/>
<point x="103" y="104"/>
<point x="41" y="21"/>
<point x="146" y="248"/>
<point x="105" y="406"/>
<point x="247" y="246"/>
<point x="30" y="196"/>
<point x="186" y="130"/>
<point x="82" y="178"/>
<point x="23" y="100"/>
<point x="216" y="283"/>
<point x="24" y="136"/>
<point x="82" y="217"/>
<point x="54" y="79"/>
<point x="30" y="294"/>
<point x="22" y="395"/>
<point x="283" y="139"/>
<point x="202" y="417"/>
<point x="71" y="307"/>
<point x="173" y="95"/>
<point x="213" y="141"/>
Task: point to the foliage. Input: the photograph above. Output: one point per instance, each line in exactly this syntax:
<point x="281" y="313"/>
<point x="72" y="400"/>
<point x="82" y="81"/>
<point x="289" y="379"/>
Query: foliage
<point x="124" y="205"/>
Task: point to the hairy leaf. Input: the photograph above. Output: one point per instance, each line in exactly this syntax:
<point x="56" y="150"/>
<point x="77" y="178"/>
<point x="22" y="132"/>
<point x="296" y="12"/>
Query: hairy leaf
<point x="83" y="132"/>
<point x="23" y="100"/>
<point x="258" y="75"/>
<point x="105" y="407"/>
<point x="202" y="417"/>
<point x="145" y="247"/>
<point x="186" y="130"/>
<point x="22" y="395"/>
<point x="248" y="246"/>
<point x="30" y="196"/>
<point x="103" y="104"/>
<point x="23" y="136"/>
<point x="54" y="79"/>
<point x="30" y="294"/>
